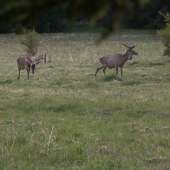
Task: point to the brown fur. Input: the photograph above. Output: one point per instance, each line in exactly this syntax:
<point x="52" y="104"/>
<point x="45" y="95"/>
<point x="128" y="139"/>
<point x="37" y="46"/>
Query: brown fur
<point x="26" y="62"/>
<point x="115" y="61"/>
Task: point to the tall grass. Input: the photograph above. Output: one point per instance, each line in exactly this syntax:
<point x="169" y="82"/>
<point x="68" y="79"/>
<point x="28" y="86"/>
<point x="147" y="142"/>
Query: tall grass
<point x="65" y="118"/>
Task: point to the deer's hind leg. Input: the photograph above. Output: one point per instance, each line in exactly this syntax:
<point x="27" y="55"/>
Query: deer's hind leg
<point x="116" y="67"/>
<point x="121" y="70"/>
<point x="104" y="69"/>
<point x="99" y="68"/>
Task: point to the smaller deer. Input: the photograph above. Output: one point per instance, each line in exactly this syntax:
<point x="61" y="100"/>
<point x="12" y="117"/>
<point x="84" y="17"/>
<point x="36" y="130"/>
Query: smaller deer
<point x="27" y="62"/>
<point x="118" y="60"/>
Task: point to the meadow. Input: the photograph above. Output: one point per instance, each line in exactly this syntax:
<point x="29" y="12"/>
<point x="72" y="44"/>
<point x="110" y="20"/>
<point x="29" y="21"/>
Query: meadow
<point x="64" y="117"/>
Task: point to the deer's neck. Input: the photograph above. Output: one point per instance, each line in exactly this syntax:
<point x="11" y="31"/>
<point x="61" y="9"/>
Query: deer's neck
<point x="125" y="57"/>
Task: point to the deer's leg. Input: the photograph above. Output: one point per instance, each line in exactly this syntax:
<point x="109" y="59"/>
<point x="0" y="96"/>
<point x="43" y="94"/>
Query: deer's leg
<point x="28" y="70"/>
<point x="18" y="73"/>
<point x="121" y="70"/>
<point x="104" y="69"/>
<point x="116" y="67"/>
<point x="99" y="68"/>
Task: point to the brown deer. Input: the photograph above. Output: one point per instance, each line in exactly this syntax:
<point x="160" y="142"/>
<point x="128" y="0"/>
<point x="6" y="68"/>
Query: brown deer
<point x="27" y="62"/>
<point x="118" y="60"/>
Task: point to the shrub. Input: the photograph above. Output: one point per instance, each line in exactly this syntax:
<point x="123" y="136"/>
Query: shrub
<point x="165" y="34"/>
<point x="31" y="41"/>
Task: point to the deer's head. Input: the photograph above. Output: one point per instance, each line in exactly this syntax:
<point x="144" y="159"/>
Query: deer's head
<point x="32" y="65"/>
<point x="130" y="50"/>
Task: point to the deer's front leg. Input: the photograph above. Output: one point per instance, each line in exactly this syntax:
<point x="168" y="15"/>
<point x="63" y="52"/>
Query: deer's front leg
<point x="28" y="70"/>
<point x="116" y="67"/>
<point x="18" y="73"/>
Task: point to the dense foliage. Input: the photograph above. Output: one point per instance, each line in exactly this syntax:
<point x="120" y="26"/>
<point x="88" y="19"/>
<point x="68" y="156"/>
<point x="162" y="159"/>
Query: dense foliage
<point x="51" y="16"/>
<point x="165" y="34"/>
<point x="147" y="17"/>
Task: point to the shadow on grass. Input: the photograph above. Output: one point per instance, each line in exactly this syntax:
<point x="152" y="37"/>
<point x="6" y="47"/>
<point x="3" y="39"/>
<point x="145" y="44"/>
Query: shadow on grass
<point x="63" y="107"/>
<point x="111" y="78"/>
<point x="6" y="82"/>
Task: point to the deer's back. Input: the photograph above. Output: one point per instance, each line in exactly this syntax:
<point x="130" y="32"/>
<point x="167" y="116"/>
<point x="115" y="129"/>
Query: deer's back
<point x="111" y="60"/>
<point x="21" y="60"/>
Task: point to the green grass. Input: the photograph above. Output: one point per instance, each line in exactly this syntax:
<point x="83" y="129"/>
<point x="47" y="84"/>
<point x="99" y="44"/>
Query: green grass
<point x="65" y="118"/>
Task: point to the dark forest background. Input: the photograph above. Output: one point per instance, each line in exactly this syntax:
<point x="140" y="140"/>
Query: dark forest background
<point x="146" y="18"/>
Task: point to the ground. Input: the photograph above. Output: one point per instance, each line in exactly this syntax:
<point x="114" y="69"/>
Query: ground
<point x="66" y="118"/>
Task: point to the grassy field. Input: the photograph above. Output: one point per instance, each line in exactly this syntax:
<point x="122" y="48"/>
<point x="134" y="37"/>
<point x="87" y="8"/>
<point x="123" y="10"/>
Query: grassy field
<point x="65" y="118"/>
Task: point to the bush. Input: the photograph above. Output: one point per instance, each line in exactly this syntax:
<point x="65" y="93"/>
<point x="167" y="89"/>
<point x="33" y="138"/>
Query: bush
<point x="165" y="34"/>
<point x="31" y="41"/>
